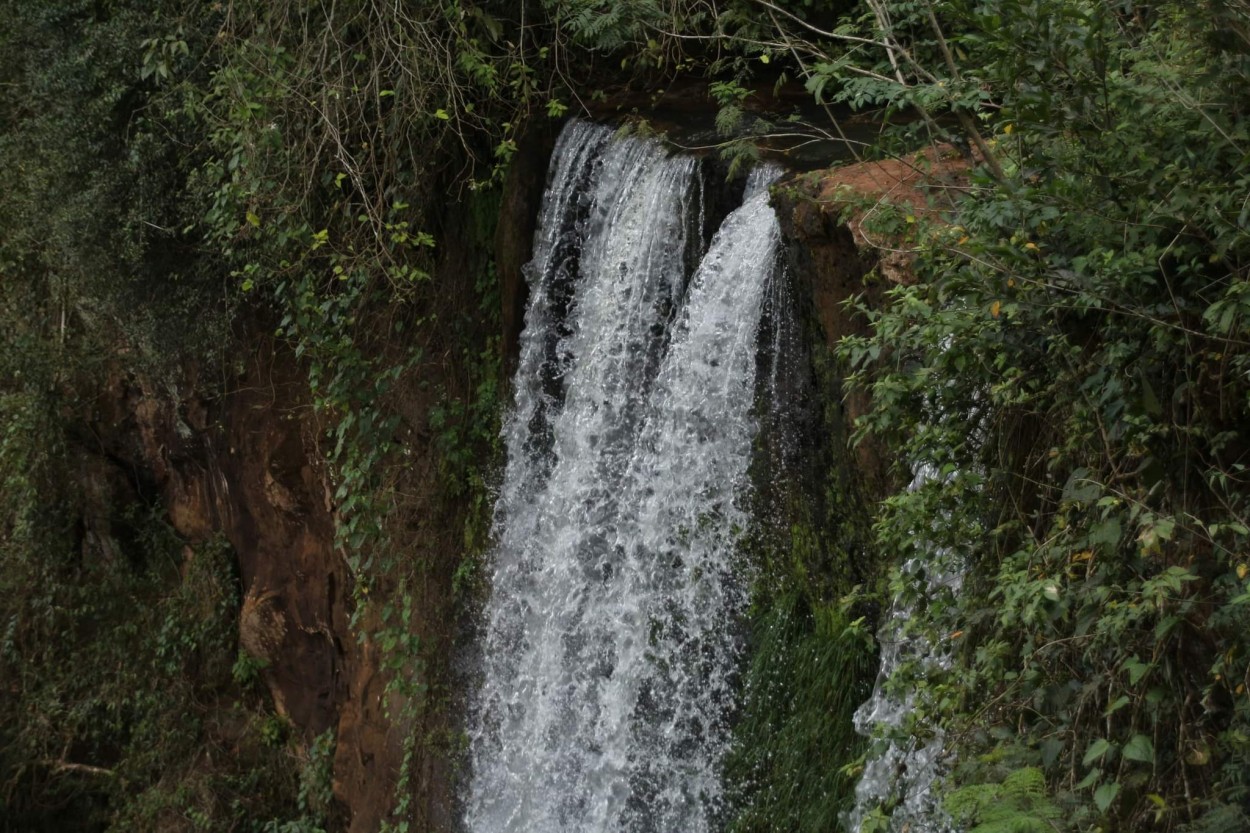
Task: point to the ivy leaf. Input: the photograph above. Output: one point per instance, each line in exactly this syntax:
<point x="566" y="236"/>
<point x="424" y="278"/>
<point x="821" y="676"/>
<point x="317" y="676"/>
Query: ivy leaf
<point x="1136" y="670"/>
<point x="1106" y="534"/>
<point x="1150" y="400"/>
<point x="1050" y="749"/>
<point x="1120" y="702"/>
<point x="1080" y="488"/>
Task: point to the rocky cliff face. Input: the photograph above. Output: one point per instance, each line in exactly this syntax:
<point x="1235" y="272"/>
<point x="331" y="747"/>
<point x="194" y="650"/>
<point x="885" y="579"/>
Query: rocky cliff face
<point x="240" y="457"/>
<point x="244" y="464"/>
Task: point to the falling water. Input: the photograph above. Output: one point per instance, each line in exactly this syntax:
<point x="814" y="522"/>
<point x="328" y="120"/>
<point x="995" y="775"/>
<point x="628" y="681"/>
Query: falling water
<point x="609" y="637"/>
<point x="903" y="770"/>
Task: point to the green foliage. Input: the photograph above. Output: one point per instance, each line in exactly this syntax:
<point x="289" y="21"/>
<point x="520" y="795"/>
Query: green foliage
<point x="96" y="171"/>
<point x="1071" y="361"/>
<point x="316" y="781"/>
<point x="118" y="673"/>
<point x="331" y="142"/>
<point x="119" y="708"/>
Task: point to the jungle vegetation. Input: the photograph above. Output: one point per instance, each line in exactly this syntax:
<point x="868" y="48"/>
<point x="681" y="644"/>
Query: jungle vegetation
<point x="1071" y="362"/>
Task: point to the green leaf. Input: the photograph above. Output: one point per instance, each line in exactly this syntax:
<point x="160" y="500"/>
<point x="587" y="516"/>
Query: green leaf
<point x="1080" y="488"/>
<point x="1120" y="702"/>
<point x="1095" y="751"/>
<point x="1090" y="779"/>
<point x="1136" y="670"/>
<point x="1150" y="401"/>
<point x="1104" y="795"/>
<point x="1050" y="749"/>
<point x="1164" y="527"/>
<point x="1139" y="748"/>
<point x="1106" y="534"/>
<point x="1165" y="626"/>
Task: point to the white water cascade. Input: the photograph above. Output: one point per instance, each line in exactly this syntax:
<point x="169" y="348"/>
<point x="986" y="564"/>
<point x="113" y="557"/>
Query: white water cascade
<point x="609" y="639"/>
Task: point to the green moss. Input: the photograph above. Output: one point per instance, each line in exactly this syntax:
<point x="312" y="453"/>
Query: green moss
<point x="808" y="674"/>
<point x="811" y="660"/>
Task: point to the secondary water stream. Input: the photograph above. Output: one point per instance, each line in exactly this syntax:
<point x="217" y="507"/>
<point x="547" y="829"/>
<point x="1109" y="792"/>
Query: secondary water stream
<point x="906" y="761"/>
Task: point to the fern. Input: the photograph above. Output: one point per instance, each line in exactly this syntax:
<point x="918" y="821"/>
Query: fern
<point x="1018" y="804"/>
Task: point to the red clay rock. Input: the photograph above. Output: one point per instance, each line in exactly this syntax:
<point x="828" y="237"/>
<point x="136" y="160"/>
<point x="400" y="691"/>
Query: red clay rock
<point x="245" y="465"/>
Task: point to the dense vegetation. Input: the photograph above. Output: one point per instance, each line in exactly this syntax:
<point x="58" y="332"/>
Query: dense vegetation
<point x="1069" y="364"/>
<point x="1071" y="368"/>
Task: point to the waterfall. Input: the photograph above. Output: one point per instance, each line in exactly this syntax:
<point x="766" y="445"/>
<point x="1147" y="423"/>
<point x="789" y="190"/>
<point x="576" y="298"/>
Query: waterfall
<point x="608" y="642"/>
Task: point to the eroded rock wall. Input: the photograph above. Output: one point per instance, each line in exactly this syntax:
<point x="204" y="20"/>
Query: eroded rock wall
<point x="244" y="464"/>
